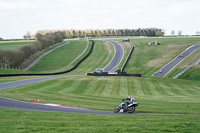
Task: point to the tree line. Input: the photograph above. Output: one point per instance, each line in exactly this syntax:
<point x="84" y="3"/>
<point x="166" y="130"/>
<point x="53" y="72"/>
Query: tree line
<point x="150" y="32"/>
<point x="13" y="59"/>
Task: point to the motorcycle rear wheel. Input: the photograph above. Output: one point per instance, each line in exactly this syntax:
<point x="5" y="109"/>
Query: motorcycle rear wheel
<point x="116" y="110"/>
<point x="131" y="109"/>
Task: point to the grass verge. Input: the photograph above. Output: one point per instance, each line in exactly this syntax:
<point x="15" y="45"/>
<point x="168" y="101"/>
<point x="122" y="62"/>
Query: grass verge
<point x="59" y="59"/>
<point x="148" y="59"/>
<point x="51" y="122"/>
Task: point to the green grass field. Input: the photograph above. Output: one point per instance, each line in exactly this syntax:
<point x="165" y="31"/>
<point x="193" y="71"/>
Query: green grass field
<point x="99" y="58"/>
<point x="155" y="95"/>
<point x="61" y="58"/>
<point x="11" y="71"/>
<point x="148" y="59"/>
<point x="34" y="121"/>
<point x="14" y="45"/>
<point x="192" y="74"/>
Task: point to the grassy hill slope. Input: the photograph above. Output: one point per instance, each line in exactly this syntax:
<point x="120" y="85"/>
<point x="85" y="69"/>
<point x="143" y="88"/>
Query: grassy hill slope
<point x="148" y="59"/>
<point x="61" y="58"/>
<point x="100" y="57"/>
<point x="51" y="122"/>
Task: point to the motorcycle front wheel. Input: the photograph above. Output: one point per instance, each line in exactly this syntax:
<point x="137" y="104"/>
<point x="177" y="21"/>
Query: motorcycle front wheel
<point x="116" y="110"/>
<point x="131" y="109"/>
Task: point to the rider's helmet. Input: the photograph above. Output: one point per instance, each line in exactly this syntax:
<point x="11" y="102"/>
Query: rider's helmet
<point x="130" y="97"/>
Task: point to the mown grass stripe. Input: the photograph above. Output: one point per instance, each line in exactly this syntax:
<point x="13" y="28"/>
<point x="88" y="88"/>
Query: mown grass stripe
<point x="131" y="87"/>
<point x="115" y="90"/>
<point x="138" y="87"/>
<point x="189" y="89"/>
<point x="178" y="90"/>
<point x="80" y="87"/>
<point x="152" y="88"/>
<point x="166" y="90"/>
<point x="34" y="87"/>
<point x="100" y="88"/>
<point x="53" y="88"/>
<point x="91" y="87"/>
<point x="108" y="88"/>
<point x="182" y="90"/>
<point x="74" y="86"/>
<point x="160" y="90"/>
<point x="196" y="88"/>
<point x="62" y="88"/>
<point x="123" y="88"/>
<point x="145" y="88"/>
<point x="67" y="86"/>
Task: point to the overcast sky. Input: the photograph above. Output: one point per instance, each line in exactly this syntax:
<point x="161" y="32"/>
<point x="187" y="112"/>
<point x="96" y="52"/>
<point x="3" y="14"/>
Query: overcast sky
<point x="19" y="16"/>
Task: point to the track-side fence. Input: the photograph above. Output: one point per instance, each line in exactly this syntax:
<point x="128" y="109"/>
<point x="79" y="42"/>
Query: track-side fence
<point x="195" y="63"/>
<point x="125" y="63"/>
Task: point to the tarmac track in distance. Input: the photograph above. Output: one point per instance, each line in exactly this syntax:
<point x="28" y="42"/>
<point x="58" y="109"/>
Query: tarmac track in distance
<point x="119" y="53"/>
<point x="173" y="63"/>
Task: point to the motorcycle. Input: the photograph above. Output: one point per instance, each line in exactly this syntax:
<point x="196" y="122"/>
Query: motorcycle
<point x="130" y="107"/>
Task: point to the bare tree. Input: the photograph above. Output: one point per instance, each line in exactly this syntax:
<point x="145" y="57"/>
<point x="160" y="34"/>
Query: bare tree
<point x="172" y="32"/>
<point x="180" y="33"/>
<point x="27" y="36"/>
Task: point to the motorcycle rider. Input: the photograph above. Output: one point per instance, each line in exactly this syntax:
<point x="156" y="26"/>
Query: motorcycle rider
<point x="131" y="100"/>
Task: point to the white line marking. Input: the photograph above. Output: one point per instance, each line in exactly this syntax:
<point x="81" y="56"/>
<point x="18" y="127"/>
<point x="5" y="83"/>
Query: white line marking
<point x="112" y="57"/>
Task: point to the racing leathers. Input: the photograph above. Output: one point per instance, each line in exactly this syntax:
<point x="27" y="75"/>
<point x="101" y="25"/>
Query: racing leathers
<point x="131" y="100"/>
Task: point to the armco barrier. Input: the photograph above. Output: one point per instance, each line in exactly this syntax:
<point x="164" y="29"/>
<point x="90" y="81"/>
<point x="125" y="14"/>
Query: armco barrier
<point x="113" y="74"/>
<point x="45" y="74"/>
<point x="186" y="69"/>
<point x="127" y="59"/>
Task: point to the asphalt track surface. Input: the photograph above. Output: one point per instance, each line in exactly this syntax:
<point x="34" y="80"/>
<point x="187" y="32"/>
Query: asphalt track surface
<point x="119" y="53"/>
<point x="14" y="104"/>
<point x="28" y="81"/>
<point x="40" y="57"/>
<point x="167" y="68"/>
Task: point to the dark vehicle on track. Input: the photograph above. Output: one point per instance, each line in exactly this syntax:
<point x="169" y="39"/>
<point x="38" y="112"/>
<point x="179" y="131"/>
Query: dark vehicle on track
<point x="130" y="107"/>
